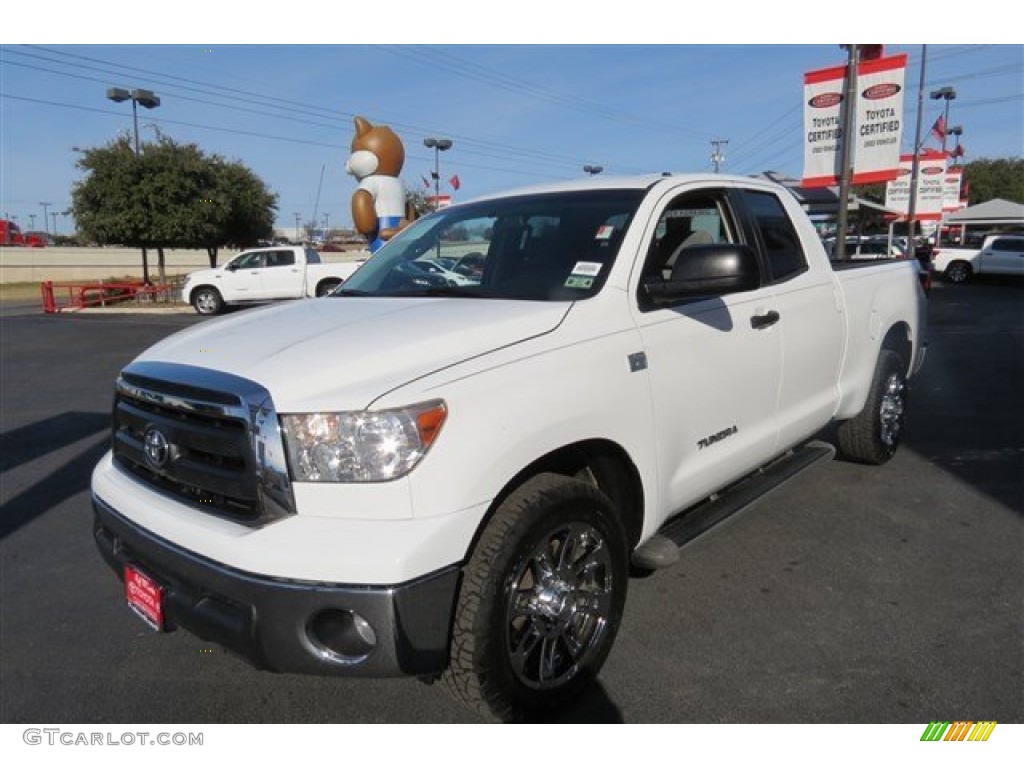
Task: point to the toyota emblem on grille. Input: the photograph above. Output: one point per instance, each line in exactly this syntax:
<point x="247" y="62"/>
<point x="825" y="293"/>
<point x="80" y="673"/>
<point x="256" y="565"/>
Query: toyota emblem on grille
<point x="158" y="450"/>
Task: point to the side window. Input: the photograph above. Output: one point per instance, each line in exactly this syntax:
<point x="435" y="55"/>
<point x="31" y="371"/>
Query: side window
<point x="312" y="257"/>
<point x="688" y="221"/>
<point x="280" y="258"/>
<point x="1012" y="244"/>
<point x="782" y="247"/>
<point x="252" y="260"/>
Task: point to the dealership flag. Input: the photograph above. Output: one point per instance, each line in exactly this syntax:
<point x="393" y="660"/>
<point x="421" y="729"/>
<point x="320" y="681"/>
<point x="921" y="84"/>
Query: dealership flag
<point x="939" y="129"/>
<point x="426" y="184"/>
<point x="877" y="129"/>
<point x="931" y="184"/>
<point x="454" y="181"/>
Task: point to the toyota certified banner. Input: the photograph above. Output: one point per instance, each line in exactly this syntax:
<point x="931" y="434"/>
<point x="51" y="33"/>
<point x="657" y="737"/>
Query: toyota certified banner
<point x="878" y="122"/>
<point x="930" y="186"/>
<point x="951" y="189"/>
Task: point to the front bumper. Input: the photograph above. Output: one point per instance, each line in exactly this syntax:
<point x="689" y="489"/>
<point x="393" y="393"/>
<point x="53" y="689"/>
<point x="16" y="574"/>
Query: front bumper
<point x="269" y="620"/>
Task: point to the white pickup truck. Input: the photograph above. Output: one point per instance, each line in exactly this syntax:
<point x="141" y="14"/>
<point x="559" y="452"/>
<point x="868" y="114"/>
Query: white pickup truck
<point x="1001" y="253"/>
<point x="264" y="274"/>
<point x="451" y="481"/>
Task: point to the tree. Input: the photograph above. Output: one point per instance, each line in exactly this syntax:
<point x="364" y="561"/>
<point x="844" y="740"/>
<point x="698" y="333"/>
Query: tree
<point x="170" y="195"/>
<point x="989" y="179"/>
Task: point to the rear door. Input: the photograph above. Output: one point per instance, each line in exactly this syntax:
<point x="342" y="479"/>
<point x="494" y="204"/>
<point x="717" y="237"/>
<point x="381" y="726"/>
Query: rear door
<point x="1004" y="256"/>
<point x="811" y="326"/>
<point x="714" y="367"/>
<point x="281" y="277"/>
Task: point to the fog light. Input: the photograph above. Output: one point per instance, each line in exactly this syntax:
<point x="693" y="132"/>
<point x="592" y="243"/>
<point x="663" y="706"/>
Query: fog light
<point x="342" y="636"/>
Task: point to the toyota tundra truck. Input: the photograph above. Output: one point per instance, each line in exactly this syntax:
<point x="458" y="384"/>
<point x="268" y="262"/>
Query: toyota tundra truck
<point x="456" y="482"/>
<point x="262" y="275"/>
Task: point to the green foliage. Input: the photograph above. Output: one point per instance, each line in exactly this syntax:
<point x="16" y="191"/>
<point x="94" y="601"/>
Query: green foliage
<point x="989" y="179"/>
<point x="169" y="196"/>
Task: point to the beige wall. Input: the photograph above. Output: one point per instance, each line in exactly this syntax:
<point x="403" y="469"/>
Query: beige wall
<point x="34" y="265"/>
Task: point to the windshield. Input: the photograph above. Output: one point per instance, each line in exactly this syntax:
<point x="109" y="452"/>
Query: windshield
<point x="549" y="247"/>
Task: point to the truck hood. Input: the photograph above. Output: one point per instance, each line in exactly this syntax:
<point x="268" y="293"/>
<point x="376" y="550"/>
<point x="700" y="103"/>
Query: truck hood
<point x="343" y="353"/>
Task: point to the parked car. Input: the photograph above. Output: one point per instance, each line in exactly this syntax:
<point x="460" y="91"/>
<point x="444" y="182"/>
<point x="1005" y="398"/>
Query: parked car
<point x="264" y="274"/>
<point x="451" y="482"/>
<point x="1001" y="253"/>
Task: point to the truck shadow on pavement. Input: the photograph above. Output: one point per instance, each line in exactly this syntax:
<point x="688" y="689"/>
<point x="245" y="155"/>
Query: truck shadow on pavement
<point x="33" y="441"/>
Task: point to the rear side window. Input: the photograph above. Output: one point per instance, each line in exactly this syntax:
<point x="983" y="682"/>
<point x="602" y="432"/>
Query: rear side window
<point x="1014" y="244"/>
<point x="312" y="257"/>
<point x="280" y="258"/>
<point x="782" y="247"/>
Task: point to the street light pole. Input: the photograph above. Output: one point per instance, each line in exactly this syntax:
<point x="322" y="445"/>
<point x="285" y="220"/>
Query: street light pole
<point x="46" y="224"/>
<point x="149" y="100"/>
<point x="439" y="146"/>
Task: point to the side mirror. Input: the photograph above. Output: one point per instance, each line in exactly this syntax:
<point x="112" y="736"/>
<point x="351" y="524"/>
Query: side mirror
<point x="706" y="271"/>
<point x="231" y="266"/>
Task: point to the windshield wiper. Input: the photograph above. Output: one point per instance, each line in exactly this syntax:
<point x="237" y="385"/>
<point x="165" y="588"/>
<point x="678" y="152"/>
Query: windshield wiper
<point x="348" y="292"/>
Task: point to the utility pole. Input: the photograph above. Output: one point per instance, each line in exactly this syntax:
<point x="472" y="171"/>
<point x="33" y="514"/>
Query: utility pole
<point x="46" y="224"/>
<point x="717" y="158"/>
<point x="849" y="110"/>
<point x="915" y="167"/>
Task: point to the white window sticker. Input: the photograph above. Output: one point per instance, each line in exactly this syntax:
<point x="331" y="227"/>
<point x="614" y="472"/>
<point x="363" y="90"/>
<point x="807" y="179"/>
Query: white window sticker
<point x="588" y="268"/>
<point x="604" y="232"/>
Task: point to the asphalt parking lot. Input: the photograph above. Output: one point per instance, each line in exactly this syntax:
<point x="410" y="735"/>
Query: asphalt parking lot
<point x="853" y="594"/>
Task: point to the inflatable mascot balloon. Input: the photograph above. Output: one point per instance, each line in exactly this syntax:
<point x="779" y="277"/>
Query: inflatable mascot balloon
<point x="379" y="208"/>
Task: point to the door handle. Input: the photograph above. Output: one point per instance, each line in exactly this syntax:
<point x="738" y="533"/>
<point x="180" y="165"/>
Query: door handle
<point x="757" y="322"/>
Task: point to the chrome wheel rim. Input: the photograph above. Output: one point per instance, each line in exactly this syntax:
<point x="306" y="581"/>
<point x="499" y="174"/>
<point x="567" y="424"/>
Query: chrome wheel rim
<point x="892" y="410"/>
<point x="206" y="302"/>
<point x="559" y="607"/>
<point x="958" y="273"/>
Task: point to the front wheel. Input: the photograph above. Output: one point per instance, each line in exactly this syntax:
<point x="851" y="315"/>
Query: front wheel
<point x="873" y="436"/>
<point x="207" y="301"/>
<point x="326" y="286"/>
<point x="541" y="600"/>
<point x="958" y="272"/>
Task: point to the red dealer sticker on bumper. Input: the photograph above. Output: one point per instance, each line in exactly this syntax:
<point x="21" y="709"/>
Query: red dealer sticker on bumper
<point x="145" y="597"/>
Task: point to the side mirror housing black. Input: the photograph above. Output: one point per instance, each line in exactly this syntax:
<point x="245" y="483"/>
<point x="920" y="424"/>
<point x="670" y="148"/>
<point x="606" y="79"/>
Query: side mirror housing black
<point x="706" y="271"/>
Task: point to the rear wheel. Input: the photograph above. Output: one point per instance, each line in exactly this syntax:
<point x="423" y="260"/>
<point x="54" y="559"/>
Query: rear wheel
<point x="873" y="436"/>
<point x="207" y="301"/>
<point x="540" y="602"/>
<point x="958" y="272"/>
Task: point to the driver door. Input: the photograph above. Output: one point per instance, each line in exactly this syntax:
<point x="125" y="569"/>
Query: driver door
<point x="714" y="364"/>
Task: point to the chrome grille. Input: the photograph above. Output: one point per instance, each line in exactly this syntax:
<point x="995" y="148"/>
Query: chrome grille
<point x="205" y="438"/>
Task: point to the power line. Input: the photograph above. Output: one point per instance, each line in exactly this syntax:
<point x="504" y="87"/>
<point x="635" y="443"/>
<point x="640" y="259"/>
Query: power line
<point x="486" y="148"/>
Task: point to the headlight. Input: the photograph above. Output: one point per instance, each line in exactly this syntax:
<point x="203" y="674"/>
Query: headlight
<point x="360" y="446"/>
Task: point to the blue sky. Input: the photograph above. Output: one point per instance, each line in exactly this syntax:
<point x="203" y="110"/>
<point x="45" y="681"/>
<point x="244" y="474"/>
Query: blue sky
<point x="518" y="114"/>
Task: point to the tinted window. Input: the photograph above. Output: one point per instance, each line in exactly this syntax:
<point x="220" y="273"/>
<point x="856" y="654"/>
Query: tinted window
<point x="312" y="257"/>
<point x="1014" y="244"/>
<point x="781" y="244"/>
<point x="280" y="258"/>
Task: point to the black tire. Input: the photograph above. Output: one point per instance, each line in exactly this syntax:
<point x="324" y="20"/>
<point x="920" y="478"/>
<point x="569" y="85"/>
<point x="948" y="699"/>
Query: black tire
<point x="958" y="272"/>
<point x="326" y="286"/>
<point x="531" y="608"/>
<point x="207" y="301"/>
<point x="873" y="436"/>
